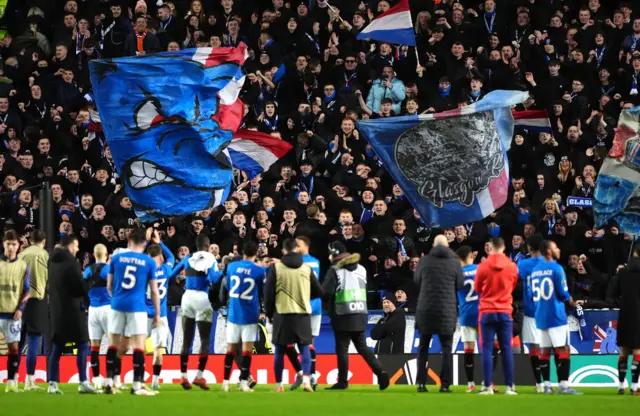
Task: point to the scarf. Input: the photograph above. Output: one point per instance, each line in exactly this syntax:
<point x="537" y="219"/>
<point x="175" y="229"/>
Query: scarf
<point x="367" y="214"/>
<point x="401" y="248"/>
<point x="444" y="92"/>
<point x="488" y="25"/>
<point x="140" y="38"/>
<point x="329" y="98"/>
<point x="164" y="25"/>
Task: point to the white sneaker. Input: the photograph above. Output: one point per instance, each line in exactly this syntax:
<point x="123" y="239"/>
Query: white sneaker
<point x="155" y="385"/>
<point x="540" y="388"/>
<point x="98" y="382"/>
<point x="86" y="388"/>
<point x="143" y="392"/>
<point x="12" y="387"/>
<point x="31" y="386"/>
<point x="225" y="387"/>
<point x="54" y="390"/>
<point x="486" y="391"/>
<point x="510" y="391"/>
<point x="245" y="388"/>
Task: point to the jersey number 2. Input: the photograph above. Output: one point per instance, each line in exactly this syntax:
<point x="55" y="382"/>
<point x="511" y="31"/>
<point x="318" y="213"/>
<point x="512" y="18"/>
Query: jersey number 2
<point x="129" y="277"/>
<point x="471" y="295"/>
<point x="235" y="283"/>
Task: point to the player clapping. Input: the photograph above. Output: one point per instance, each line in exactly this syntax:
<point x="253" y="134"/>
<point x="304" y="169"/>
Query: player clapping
<point x="164" y="262"/>
<point x="550" y="293"/>
<point x="129" y="275"/>
<point x="242" y="287"/>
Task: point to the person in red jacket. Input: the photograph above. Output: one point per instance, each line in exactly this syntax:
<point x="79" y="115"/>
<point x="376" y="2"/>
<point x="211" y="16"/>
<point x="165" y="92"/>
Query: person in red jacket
<point x="495" y="282"/>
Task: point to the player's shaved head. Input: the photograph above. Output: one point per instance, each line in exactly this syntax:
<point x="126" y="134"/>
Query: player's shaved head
<point x="100" y="252"/>
<point x="441" y="240"/>
<point x="202" y="242"/>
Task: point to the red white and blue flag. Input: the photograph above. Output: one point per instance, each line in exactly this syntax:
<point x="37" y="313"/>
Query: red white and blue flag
<point x="452" y="166"/>
<point x="254" y="152"/>
<point x="393" y="26"/>
<point x="532" y="120"/>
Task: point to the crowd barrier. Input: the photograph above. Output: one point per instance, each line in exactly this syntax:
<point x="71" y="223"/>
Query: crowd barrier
<point x="586" y="370"/>
<point x="596" y="336"/>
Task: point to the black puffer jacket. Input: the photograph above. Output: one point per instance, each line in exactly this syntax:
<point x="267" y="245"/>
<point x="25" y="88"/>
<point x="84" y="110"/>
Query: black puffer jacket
<point x="439" y="276"/>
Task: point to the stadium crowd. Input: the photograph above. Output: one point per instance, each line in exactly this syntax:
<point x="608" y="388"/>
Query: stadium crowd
<point x="308" y="79"/>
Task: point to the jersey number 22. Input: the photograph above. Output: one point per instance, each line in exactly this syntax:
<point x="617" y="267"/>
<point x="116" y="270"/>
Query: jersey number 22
<point x="235" y="284"/>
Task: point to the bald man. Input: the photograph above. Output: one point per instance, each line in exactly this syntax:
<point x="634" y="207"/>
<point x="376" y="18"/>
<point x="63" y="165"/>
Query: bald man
<point x="99" y="307"/>
<point x="439" y="276"/>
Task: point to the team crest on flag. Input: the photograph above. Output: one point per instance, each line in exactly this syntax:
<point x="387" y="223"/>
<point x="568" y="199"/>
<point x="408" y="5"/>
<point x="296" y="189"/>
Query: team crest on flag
<point x="452" y="166"/>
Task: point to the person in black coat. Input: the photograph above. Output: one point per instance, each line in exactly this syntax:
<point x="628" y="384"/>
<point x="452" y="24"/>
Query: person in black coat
<point x="389" y="330"/>
<point x="439" y="277"/>
<point x="67" y="310"/>
<point x="627" y="288"/>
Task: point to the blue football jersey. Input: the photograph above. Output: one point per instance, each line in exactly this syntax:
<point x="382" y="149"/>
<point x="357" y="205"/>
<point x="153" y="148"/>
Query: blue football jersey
<point x="550" y="292"/>
<point x="314" y="263"/>
<point x="244" y="282"/>
<point x="525" y="267"/>
<point x="98" y="293"/>
<point x="163" y="274"/>
<point x="200" y="283"/>
<point x="131" y="275"/>
<point x="468" y="298"/>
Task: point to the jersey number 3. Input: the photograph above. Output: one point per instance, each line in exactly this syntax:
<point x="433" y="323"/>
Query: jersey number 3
<point x="235" y="284"/>
<point x="129" y="277"/>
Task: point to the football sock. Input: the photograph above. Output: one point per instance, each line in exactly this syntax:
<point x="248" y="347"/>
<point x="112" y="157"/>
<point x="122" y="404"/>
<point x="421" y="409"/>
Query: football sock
<point x="312" y="351"/>
<point x="111" y="361"/>
<point x="184" y="362"/>
<point x="188" y="331"/>
<point x="635" y="369"/>
<point x="117" y="366"/>
<point x="306" y="359"/>
<point x="545" y="370"/>
<point x="278" y="362"/>
<point x="81" y="361"/>
<point x="623" y="365"/>
<point x="563" y="367"/>
<point x="228" y="365"/>
<point x="293" y="358"/>
<point x="534" y="357"/>
<point x="469" y="365"/>
<point x="245" y="370"/>
<point x="202" y="364"/>
<point x="12" y="363"/>
<point x="33" y="348"/>
<point x="138" y="365"/>
<point x="95" y="361"/>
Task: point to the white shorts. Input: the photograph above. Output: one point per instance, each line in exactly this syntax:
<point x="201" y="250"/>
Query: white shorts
<point x="316" y="322"/>
<point x="237" y="333"/>
<point x="127" y="323"/>
<point x="530" y="332"/>
<point x="11" y="330"/>
<point x="469" y="333"/>
<point x="555" y="337"/>
<point x="159" y="334"/>
<point x="195" y="305"/>
<point x="98" y="322"/>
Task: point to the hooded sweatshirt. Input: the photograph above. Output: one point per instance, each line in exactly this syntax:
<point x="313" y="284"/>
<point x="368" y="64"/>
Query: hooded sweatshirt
<point x="496" y="280"/>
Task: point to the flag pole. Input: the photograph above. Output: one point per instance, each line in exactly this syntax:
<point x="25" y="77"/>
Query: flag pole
<point x="334" y="10"/>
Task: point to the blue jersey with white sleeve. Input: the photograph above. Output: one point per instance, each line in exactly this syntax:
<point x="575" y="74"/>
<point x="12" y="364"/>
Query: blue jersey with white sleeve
<point x="131" y="275"/>
<point x="468" y="298"/>
<point x="244" y="282"/>
<point x="202" y="271"/>
<point x="314" y="263"/>
<point x="525" y="267"/>
<point x="550" y="292"/>
<point x="96" y="275"/>
<point x="163" y="274"/>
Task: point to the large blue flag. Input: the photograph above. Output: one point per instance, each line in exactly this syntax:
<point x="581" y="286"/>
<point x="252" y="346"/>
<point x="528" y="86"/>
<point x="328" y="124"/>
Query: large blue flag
<point x="168" y="119"/>
<point x="453" y="165"/>
<point x="617" y="194"/>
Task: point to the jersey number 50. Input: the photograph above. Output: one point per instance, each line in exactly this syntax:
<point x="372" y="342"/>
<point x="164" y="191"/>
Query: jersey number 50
<point x="542" y="289"/>
<point x="235" y="284"/>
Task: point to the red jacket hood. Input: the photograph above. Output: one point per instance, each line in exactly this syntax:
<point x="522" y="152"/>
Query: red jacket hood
<point x="498" y="261"/>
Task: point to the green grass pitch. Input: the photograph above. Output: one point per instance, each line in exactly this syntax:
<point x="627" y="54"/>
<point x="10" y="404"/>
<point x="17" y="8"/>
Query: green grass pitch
<point x="358" y="400"/>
